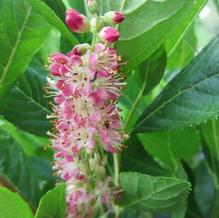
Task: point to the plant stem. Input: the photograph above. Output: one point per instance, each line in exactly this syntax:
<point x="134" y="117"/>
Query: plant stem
<point x="215" y="205"/>
<point x="116" y="160"/>
<point x="95" y="33"/>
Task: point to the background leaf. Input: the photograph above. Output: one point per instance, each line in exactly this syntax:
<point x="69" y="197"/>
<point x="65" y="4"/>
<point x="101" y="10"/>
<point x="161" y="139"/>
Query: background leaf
<point x="148" y="24"/>
<point x="53" y="19"/>
<point x="58" y="7"/>
<point x="150" y="72"/>
<point x="136" y="159"/>
<point x="190" y="98"/>
<point x="184" y="51"/>
<point x="26" y="105"/>
<point x="20" y="39"/>
<point x="210" y="131"/>
<point x="52" y="203"/>
<point x="20" y="168"/>
<point x="152" y="193"/>
<point x="13" y="206"/>
<point x="178" y="33"/>
<point x="139" y="84"/>
<point x="171" y="146"/>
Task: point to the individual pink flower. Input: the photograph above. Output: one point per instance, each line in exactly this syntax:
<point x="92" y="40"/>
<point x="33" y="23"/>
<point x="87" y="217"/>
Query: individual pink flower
<point x="113" y="17"/>
<point x="77" y="22"/>
<point x="59" y="64"/>
<point x="109" y="34"/>
<point x="104" y="60"/>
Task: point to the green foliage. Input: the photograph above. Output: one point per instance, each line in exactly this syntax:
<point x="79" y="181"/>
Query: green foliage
<point x="177" y="35"/>
<point x="52" y="204"/>
<point x="149" y="72"/>
<point x="190" y="98"/>
<point x="13" y="206"/>
<point x="164" y="154"/>
<point x="27" y="173"/>
<point x="135" y="159"/>
<point x="184" y="51"/>
<point x="20" y="39"/>
<point x="26" y="105"/>
<point x="171" y="146"/>
<point x="149" y="23"/>
<point x="58" y="7"/>
<point x="53" y="19"/>
<point x="153" y="193"/>
<point x="210" y="132"/>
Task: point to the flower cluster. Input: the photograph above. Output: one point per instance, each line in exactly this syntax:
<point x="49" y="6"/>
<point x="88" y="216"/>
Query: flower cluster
<point x="86" y="84"/>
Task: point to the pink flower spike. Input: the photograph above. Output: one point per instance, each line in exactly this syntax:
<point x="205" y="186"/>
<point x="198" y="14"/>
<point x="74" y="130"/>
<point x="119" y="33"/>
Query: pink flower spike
<point x="109" y="34"/>
<point x="113" y="17"/>
<point x="77" y="22"/>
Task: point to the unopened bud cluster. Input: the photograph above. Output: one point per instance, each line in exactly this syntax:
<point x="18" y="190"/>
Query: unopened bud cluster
<point x="86" y="84"/>
<point x="77" y="22"/>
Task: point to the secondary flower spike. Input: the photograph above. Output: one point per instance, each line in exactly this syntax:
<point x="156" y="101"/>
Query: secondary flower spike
<point x="86" y="84"/>
<point x="77" y="22"/>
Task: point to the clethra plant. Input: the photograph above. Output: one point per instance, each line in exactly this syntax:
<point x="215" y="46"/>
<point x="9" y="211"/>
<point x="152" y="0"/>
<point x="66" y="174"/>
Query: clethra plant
<point x="86" y="84"/>
<point x="109" y="109"/>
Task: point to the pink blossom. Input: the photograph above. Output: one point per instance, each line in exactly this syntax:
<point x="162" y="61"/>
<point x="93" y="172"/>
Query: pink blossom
<point x="114" y="17"/>
<point x="109" y="34"/>
<point x="77" y="22"/>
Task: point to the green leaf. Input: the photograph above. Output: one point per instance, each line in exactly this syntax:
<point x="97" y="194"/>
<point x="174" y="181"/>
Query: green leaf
<point x="193" y="210"/>
<point x="53" y="19"/>
<point x="151" y="71"/>
<point x="29" y="174"/>
<point x="131" y="213"/>
<point x="78" y="5"/>
<point x="51" y="45"/>
<point x="31" y="144"/>
<point x="136" y="159"/>
<point x="25" y="106"/>
<point x="128" y="99"/>
<point x="204" y="189"/>
<point x="185" y="50"/>
<point x="58" y="7"/>
<point x="22" y="32"/>
<point x="139" y="83"/>
<point x="171" y="146"/>
<point x="52" y="204"/>
<point x="13" y="206"/>
<point x="190" y="98"/>
<point x="178" y="33"/>
<point x="148" y="24"/>
<point x="210" y="133"/>
<point x="149" y="193"/>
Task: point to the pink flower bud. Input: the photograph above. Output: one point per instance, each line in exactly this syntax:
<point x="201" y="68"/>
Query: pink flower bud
<point x="79" y="50"/>
<point x="77" y="22"/>
<point x="113" y="17"/>
<point x="109" y="34"/>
